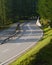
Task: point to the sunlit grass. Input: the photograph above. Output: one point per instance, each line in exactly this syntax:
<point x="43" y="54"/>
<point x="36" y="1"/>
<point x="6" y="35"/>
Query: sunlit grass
<point x="26" y="58"/>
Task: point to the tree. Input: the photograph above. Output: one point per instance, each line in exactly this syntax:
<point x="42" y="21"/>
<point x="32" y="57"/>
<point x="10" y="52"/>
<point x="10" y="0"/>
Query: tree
<point x="2" y="11"/>
<point x="44" y="9"/>
<point x="11" y="10"/>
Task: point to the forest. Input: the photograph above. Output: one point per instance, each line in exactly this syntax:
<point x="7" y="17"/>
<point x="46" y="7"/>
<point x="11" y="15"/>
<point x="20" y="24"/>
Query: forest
<point x="12" y="11"/>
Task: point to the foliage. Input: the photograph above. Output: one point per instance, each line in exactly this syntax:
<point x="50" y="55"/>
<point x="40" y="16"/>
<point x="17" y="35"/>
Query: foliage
<point x="44" y="9"/>
<point x="40" y="54"/>
<point x="13" y="10"/>
<point x="44" y="22"/>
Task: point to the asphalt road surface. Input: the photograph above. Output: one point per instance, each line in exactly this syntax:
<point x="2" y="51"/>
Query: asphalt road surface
<point x="29" y="36"/>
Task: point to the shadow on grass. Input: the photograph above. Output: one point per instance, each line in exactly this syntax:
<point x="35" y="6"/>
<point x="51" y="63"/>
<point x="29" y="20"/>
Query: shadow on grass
<point x="43" y="57"/>
<point x="45" y="36"/>
<point x="47" y="30"/>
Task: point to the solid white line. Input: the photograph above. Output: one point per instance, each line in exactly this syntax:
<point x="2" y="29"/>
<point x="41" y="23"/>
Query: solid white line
<point x="5" y="62"/>
<point x="21" y="51"/>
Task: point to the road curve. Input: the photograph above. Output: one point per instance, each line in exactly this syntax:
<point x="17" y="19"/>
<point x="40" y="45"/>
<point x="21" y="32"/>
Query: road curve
<point x="30" y="35"/>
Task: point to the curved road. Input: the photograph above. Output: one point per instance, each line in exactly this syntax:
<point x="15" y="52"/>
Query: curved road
<point x="30" y="35"/>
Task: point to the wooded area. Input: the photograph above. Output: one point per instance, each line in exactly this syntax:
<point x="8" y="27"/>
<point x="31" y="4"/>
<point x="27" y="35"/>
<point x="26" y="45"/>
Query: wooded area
<point x="13" y="10"/>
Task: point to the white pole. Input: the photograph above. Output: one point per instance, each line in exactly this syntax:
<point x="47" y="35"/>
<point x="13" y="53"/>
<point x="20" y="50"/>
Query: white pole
<point x="38" y="22"/>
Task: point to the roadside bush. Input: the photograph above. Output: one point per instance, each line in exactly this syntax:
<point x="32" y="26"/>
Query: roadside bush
<point x="44" y="22"/>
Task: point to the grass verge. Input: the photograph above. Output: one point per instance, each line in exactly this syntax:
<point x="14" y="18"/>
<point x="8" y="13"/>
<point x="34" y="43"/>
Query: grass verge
<point x="40" y="54"/>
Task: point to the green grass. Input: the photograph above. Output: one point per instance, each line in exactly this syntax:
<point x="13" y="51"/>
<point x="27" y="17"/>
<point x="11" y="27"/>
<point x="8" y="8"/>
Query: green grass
<point x="41" y="54"/>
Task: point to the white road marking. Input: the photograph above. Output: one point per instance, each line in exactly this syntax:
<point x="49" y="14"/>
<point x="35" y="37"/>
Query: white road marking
<point x="21" y="51"/>
<point x="29" y="29"/>
<point x="5" y="62"/>
<point x="28" y="34"/>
